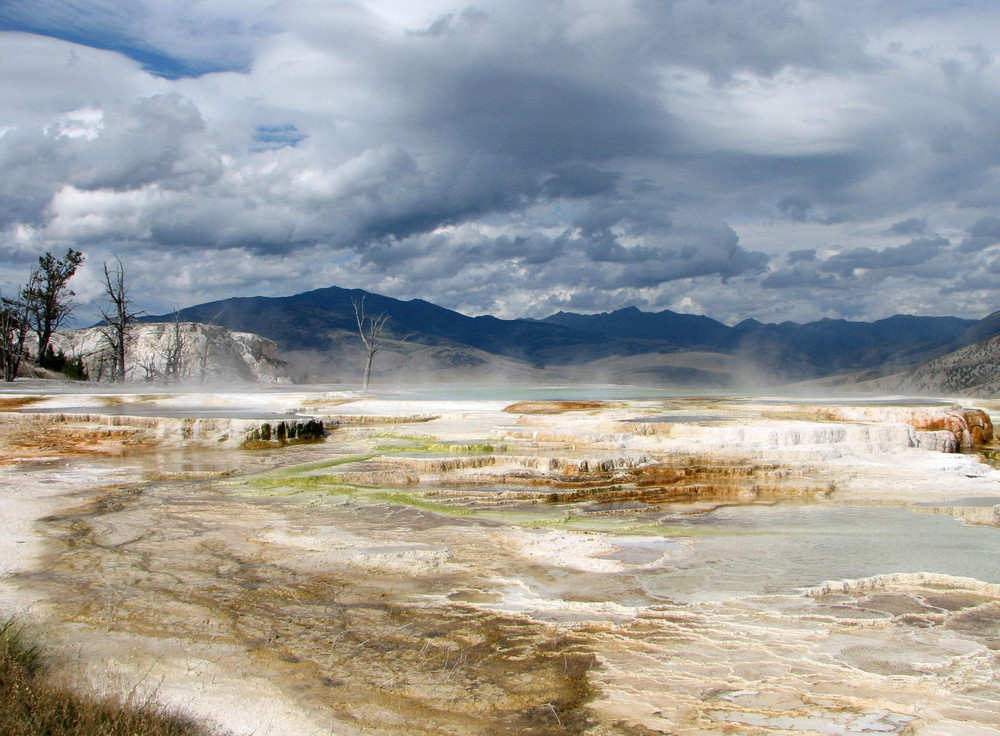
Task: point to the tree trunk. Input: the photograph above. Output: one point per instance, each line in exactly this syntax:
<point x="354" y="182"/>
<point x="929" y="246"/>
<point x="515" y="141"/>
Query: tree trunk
<point x="369" y="329"/>
<point x="368" y="372"/>
<point x="13" y="330"/>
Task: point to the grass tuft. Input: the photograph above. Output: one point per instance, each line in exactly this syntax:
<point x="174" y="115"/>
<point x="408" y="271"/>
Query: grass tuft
<point x="31" y="704"/>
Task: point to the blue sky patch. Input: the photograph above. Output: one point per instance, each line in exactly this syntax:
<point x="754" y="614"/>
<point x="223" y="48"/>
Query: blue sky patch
<point x="124" y="28"/>
<point x="273" y="137"/>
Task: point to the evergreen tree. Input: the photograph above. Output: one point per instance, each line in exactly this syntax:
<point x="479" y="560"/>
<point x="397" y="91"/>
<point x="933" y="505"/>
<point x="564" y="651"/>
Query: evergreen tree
<point x="48" y="299"/>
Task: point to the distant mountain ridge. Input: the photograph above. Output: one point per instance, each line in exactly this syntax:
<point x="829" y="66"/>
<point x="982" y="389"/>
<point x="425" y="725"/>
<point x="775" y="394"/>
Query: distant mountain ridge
<point x="320" y="319"/>
<point x="322" y="323"/>
<point x="830" y="345"/>
<point x="687" y="330"/>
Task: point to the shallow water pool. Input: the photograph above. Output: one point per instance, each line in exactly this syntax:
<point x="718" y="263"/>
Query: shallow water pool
<point x="758" y="550"/>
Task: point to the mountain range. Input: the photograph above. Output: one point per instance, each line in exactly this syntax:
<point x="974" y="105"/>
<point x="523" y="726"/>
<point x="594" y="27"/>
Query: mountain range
<point x="316" y="332"/>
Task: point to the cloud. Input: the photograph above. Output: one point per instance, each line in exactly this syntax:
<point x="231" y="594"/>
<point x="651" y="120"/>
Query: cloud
<point x="983" y="233"/>
<point x="171" y="39"/>
<point x="795" y="208"/>
<point x="896" y="258"/>
<point x="910" y="226"/>
<point x="859" y="275"/>
<point x="544" y="119"/>
<point x="800" y="278"/>
<point x="799" y="256"/>
<point x="576" y="179"/>
<point x="453" y="23"/>
<point x="274" y="137"/>
<point x="764" y="158"/>
<point x="546" y="269"/>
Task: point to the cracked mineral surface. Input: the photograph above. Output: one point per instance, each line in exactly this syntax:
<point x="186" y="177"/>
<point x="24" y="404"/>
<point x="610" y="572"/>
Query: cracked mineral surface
<point x="603" y="564"/>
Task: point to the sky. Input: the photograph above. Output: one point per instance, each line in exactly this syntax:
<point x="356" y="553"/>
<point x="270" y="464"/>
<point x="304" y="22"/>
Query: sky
<point x="774" y="159"/>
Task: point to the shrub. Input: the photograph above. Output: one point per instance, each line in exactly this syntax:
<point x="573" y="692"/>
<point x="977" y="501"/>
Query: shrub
<point x="69" y="367"/>
<point x="31" y="705"/>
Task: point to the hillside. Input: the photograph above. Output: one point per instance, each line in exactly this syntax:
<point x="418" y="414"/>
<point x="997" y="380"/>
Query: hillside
<point x="832" y="346"/>
<point x="788" y="351"/>
<point x="316" y="332"/>
<point x="679" y="330"/>
<point x="322" y="320"/>
<point x="972" y="370"/>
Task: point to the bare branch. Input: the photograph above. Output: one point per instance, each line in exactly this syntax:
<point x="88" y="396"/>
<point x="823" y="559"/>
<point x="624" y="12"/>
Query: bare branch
<point x="118" y="317"/>
<point x="13" y="331"/>
<point x="370" y="329"/>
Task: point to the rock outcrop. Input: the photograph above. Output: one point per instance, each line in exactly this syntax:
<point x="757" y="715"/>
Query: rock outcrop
<point x="185" y="352"/>
<point x="969" y="427"/>
<point x="125" y="431"/>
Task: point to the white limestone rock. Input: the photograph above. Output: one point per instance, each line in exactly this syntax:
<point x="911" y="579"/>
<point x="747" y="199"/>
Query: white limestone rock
<point x="209" y="353"/>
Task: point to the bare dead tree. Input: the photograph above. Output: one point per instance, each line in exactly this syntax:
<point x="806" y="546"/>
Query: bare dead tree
<point x="174" y="353"/>
<point x="118" y="317"/>
<point x="151" y="370"/>
<point x="370" y="329"/>
<point x="200" y="361"/>
<point x="203" y="355"/>
<point x="102" y="364"/>
<point x="13" y="332"/>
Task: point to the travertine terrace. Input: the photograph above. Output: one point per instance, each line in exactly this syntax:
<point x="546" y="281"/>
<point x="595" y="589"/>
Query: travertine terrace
<point x="601" y="565"/>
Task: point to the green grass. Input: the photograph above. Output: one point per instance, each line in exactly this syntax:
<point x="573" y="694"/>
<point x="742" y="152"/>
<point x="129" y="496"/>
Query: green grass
<point x="31" y="704"/>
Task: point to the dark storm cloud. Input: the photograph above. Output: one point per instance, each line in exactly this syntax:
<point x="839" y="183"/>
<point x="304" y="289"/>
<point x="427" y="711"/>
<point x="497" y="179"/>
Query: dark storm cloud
<point x="576" y="179"/>
<point x="453" y="23"/>
<point x="404" y="199"/>
<point x="25" y="188"/>
<point x="898" y="258"/>
<point x="649" y="212"/>
<point x="984" y="233"/>
<point x="158" y="140"/>
<point x="725" y="261"/>
<point x="800" y="278"/>
<point x="604" y="247"/>
<point x="799" y="256"/>
<point x="795" y="208"/>
<point x="910" y="226"/>
<point x="519" y="154"/>
<point x="825" y="181"/>
<point x="860" y="267"/>
<point x="765" y="37"/>
<point x="612" y="265"/>
<point x="545" y="119"/>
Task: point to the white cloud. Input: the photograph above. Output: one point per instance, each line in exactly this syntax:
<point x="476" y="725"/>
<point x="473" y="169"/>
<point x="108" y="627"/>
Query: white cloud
<point x="81" y="216"/>
<point x="791" y="113"/>
<point x="514" y="157"/>
<point x="43" y="78"/>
